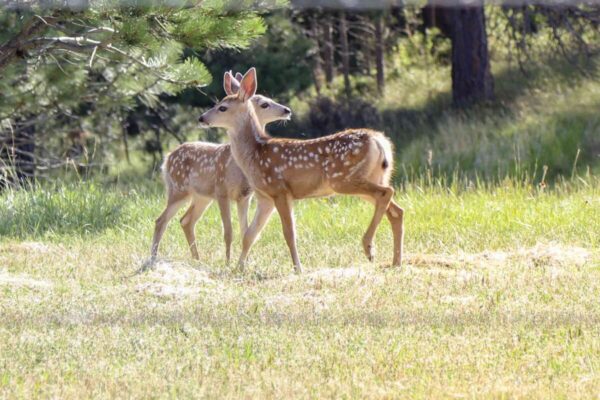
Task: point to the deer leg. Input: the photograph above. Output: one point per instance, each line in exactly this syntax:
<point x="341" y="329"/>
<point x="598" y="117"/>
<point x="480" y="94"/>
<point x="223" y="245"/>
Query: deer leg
<point x="243" y="204"/>
<point x="189" y="220"/>
<point x="174" y="202"/>
<point x="380" y="195"/>
<point x="264" y="208"/>
<point x="395" y="215"/>
<point x="284" y="206"/>
<point x="225" y="209"/>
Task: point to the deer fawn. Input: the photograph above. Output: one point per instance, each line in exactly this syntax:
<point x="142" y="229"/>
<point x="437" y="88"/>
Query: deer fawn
<point x="203" y="172"/>
<point x="355" y="161"/>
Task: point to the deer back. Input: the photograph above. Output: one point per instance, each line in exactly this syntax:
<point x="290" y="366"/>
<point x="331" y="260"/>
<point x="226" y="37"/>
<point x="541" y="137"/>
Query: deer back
<point x="309" y="168"/>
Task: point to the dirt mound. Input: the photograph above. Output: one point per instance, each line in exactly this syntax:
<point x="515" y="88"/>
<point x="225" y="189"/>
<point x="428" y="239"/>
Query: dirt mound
<point x="170" y="279"/>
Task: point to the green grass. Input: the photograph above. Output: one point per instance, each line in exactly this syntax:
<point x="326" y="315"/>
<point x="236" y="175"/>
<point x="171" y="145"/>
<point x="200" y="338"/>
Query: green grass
<point x="547" y="121"/>
<point x="498" y="298"/>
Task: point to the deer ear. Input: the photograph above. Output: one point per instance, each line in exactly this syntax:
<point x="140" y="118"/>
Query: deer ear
<point x="227" y="81"/>
<point x="248" y="85"/>
<point x="238" y="76"/>
<point x="235" y="83"/>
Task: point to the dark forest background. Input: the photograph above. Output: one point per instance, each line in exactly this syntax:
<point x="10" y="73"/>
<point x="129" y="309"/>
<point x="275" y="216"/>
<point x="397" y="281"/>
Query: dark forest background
<point x="480" y="90"/>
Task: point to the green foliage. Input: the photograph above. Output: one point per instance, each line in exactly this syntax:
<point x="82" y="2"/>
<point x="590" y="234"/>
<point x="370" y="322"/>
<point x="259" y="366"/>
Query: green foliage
<point x="150" y="38"/>
<point x="210" y="29"/>
<point x="280" y="56"/>
<point x="110" y="58"/>
<point x="135" y="31"/>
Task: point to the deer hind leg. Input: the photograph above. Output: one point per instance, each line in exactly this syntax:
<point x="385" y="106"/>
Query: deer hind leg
<point x="264" y="209"/>
<point x="380" y="196"/>
<point x="284" y="206"/>
<point x="189" y="220"/>
<point x="395" y="215"/>
<point x="243" y="204"/>
<point x="175" y="201"/>
<point x="225" y="209"/>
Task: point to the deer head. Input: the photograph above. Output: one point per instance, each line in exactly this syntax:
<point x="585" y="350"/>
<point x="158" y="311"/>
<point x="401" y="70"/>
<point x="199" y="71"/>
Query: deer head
<point x="266" y="109"/>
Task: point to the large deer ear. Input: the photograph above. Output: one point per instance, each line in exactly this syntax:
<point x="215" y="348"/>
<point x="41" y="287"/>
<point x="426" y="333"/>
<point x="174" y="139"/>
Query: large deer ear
<point x="248" y="85"/>
<point x="227" y="81"/>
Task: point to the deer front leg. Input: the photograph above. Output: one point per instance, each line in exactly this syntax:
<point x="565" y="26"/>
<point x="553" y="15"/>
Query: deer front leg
<point x="226" y="219"/>
<point x="189" y="220"/>
<point x="264" y="208"/>
<point x="284" y="206"/>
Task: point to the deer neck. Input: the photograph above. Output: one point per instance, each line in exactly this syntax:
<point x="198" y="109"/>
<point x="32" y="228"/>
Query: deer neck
<point x="247" y="137"/>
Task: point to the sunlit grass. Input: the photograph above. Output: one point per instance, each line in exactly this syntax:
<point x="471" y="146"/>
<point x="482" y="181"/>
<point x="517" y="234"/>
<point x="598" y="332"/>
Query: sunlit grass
<point x="497" y="298"/>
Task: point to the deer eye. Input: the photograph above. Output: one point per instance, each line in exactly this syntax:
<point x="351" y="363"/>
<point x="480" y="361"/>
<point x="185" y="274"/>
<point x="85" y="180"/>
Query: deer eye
<point x="264" y="105"/>
<point x="222" y="108"/>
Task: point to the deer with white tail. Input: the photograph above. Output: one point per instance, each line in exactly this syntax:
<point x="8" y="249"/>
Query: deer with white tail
<point x="203" y="172"/>
<point x="355" y="162"/>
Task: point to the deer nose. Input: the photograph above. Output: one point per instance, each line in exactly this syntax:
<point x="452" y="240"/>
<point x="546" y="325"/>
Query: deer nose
<point x="287" y="111"/>
<point x="201" y="119"/>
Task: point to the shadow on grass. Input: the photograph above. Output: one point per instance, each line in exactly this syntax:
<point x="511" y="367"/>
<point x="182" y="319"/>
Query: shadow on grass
<point x="404" y="125"/>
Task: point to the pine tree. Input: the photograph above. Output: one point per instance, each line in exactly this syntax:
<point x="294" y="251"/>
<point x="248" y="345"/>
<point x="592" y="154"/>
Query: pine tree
<point x="96" y="59"/>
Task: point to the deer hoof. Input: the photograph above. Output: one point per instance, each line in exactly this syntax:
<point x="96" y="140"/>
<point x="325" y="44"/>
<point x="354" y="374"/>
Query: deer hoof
<point x="241" y="265"/>
<point x="368" y="248"/>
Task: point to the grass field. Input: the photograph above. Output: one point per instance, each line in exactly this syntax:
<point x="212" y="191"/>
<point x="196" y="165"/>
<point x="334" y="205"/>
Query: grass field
<point x="498" y="298"/>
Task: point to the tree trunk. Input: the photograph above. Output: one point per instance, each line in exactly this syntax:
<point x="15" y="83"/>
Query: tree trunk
<point x="472" y="80"/>
<point x="379" y="51"/>
<point x="126" y="146"/>
<point x="345" y="53"/>
<point x="328" y="50"/>
<point x="24" y="153"/>
<point x="318" y="62"/>
<point x="367" y="44"/>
